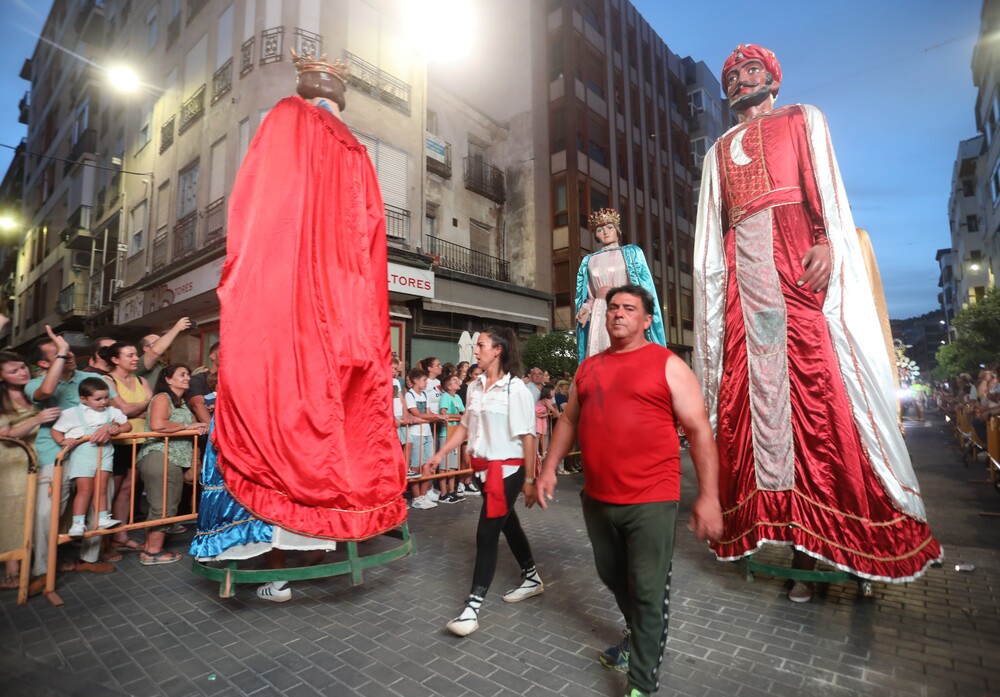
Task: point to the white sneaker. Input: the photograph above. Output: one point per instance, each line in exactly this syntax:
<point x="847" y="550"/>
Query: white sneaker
<point x="433" y="495"/>
<point x="460" y="489"/>
<point x="472" y="490"/>
<point x="77" y="530"/>
<point x="530" y="587"/>
<point x="275" y="595"/>
<point x="423" y="503"/>
<point x="105" y="523"/>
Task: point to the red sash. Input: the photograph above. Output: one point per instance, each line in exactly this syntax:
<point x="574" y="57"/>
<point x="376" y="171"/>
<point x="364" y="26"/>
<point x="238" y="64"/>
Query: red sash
<point x="496" y="502"/>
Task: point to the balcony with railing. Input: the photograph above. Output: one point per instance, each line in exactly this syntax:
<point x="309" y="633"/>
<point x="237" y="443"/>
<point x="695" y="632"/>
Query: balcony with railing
<point x="485" y="179"/>
<point x="376" y="83"/>
<point x="192" y="109"/>
<point x="77" y="234"/>
<point x="397" y="224"/>
<point x="246" y="56"/>
<point x="85" y="143"/>
<point x="458" y="258"/>
<point x="174" y="30"/>
<point x="215" y="220"/>
<point x="90" y="21"/>
<point x="160" y="249"/>
<point x="185" y="235"/>
<point x="73" y="300"/>
<point x="271" y="41"/>
<point x="307" y="43"/>
<point x="438" y="156"/>
<point x="222" y="81"/>
<point x="167" y="134"/>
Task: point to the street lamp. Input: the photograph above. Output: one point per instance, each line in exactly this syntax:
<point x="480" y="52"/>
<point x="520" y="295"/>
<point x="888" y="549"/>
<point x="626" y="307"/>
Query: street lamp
<point x="123" y="78"/>
<point x="973" y="267"/>
<point x="7" y="223"/>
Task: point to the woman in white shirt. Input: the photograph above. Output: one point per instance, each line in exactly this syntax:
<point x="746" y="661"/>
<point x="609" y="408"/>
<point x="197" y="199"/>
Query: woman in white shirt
<point x="499" y="423"/>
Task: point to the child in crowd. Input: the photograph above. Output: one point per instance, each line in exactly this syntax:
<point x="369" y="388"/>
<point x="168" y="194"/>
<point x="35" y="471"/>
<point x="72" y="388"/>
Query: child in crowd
<point x="451" y="405"/>
<point x="69" y="430"/>
<point x="544" y="409"/>
<point x="420" y="434"/>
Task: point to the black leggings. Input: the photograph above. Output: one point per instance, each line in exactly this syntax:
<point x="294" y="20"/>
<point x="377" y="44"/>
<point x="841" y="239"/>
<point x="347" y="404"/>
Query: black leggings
<point x="488" y="537"/>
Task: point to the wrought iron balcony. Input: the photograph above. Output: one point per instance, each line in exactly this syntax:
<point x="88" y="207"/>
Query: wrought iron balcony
<point x="484" y="179"/>
<point x="160" y="249"/>
<point x="397" y="223"/>
<point x="438" y="156"/>
<point x="459" y="258"/>
<point x="271" y="41"/>
<point x="174" y="30"/>
<point x="185" y="235"/>
<point x="86" y="143"/>
<point x="222" y="81"/>
<point x="192" y="109"/>
<point x="307" y="43"/>
<point x="73" y="299"/>
<point x="246" y="56"/>
<point x="371" y="80"/>
<point x="215" y="220"/>
<point x="167" y="134"/>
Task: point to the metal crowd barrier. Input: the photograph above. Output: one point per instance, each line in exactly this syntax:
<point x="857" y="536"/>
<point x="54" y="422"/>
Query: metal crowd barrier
<point x="56" y="539"/>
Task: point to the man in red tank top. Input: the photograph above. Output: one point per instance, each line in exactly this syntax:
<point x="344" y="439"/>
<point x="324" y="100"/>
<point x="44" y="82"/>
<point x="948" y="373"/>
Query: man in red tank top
<point x="624" y="406"/>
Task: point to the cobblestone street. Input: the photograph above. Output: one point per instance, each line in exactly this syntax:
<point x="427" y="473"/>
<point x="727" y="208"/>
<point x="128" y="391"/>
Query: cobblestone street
<point x="163" y="631"/>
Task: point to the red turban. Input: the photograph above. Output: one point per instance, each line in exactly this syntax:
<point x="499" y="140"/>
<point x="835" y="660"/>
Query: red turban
<point x="752" y="51"/>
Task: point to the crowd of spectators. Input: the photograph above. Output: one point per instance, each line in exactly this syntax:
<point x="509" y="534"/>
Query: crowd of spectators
<point x="432" y="396"/>
<point x="50" y="401"/>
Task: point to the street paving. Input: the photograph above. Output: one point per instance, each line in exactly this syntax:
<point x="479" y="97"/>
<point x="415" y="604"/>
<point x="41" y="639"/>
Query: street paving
<point x="163" y="631"/>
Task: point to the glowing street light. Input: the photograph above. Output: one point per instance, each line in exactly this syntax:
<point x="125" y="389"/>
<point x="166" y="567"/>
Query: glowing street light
<point x="440" y="29"/>
<point x="7" y="223"/>
<point x="123" y="78"/>
<point x="973" y="267"/>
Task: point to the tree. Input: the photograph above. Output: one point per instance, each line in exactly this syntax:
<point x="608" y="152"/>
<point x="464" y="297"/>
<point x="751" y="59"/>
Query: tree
<point x="978" y="340"/>
<point x="554" y="352"/>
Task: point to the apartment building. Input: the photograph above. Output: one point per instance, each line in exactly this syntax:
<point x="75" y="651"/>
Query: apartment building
<point x="629" y="122"/>
<point x="986" y="77"/>
<point x="971" y="260"/>
<point x="129" y="191"/>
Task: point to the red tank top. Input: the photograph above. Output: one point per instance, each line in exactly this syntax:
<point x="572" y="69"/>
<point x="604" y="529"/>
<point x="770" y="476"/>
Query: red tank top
<point x="628" y="438"/>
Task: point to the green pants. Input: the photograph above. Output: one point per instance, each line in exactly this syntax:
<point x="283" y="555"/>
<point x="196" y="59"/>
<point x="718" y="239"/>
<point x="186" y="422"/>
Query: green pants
<point x="633" y="548"/>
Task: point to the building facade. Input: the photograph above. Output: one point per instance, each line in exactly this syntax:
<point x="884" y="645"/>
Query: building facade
<point x="488" y="165"/>
<point x="126" y="224"/>
<point x="971" y="259"/>
<point x="986" y="77"/>
<point x="629" y="122"/>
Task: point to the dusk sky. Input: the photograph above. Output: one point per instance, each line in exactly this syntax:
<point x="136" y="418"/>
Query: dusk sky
<point x="893" y="78"/>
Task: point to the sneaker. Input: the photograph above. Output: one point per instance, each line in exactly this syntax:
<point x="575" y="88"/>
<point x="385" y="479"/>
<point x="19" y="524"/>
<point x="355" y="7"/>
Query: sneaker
<point x="77" y="530"/>
<point x="460" y="489"/>
<point x="530" y="587"/>
<point x="800" y="592"/>
<point x="412" y="474"/>
<point x="472" y="490"/>
<point x="423" y="503"/>
<point x="276" y="595"/>
<point x="433" y="495"/>
<point x="105" y="523"/>
<point x="452" y="498"/>
<point x="616" y="657"/>
<point x="561" y="469"/>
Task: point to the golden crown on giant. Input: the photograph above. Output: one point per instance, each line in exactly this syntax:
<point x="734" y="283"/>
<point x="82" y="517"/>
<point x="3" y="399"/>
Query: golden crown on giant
<point x="310" y="64"/>
<point x="604" y="216"/>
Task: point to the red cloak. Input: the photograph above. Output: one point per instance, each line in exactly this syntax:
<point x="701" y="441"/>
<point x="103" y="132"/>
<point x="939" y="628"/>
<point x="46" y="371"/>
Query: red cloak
<point x="304" y="424"/>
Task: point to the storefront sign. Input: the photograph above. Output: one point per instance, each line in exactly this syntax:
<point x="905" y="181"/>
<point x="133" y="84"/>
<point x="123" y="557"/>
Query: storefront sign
<point x="194" y="282"/>
<point x="129" y="308"/>
<point x="407" y="280"/>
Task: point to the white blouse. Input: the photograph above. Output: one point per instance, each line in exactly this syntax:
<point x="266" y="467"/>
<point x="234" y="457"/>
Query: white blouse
<point x="497" y="418"/>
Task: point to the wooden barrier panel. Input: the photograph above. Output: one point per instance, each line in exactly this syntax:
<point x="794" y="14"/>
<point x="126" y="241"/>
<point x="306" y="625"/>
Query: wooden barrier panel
<point x="18" y="490"/>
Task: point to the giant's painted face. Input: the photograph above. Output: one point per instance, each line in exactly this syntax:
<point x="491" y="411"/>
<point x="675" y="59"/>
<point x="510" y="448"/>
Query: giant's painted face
<point x="747" y="84"/>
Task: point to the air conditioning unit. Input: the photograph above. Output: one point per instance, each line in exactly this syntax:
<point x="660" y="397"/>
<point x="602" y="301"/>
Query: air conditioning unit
<point x="80" y="259"/>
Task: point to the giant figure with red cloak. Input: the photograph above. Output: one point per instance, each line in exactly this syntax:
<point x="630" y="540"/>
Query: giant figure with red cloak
<point x="304" y="435"/>
<point x="789" y="351"/>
